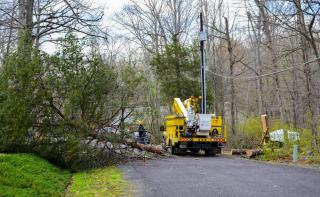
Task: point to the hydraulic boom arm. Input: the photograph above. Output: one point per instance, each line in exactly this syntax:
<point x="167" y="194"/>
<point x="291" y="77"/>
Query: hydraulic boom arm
<point x="179" y="108"/>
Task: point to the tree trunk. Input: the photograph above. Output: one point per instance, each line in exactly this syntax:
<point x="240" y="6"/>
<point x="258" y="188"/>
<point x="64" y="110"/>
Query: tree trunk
<point x="253" y="152"/>
<point x="154" y="103"/>
<point x="232" y="88"/>
<point x="272" y="52"/>
<point x="258" y="62"/>
<point x="295" y="98"/>
<point x="259" y="68"/>
<point x="311" y="101"/>
<point x="146" y="147"/>
<point x="238" y="151"/>
<point x="26" y="26"/>
<point x="37" y="36"/>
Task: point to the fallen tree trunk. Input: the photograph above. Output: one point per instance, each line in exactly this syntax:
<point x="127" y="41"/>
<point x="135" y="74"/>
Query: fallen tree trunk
<point x="150" y="148"/>
<point x="248" y="153"/>
<point x="145" y="147"/>
<point x="253" y="152"/>
<point x="238" y="151"/>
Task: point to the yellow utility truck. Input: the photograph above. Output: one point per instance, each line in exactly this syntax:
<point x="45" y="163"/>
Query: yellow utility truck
<point x="190" y="127"/>
<point x="187" y="129"/>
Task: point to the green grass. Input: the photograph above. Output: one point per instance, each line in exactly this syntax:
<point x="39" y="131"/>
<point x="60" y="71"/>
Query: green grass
<point x="100" y="182"/>
<point x="29" y="175"/>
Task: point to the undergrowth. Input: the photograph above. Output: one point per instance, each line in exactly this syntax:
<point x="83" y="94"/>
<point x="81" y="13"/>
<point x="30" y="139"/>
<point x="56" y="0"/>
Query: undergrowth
<point x="249" y="135"/>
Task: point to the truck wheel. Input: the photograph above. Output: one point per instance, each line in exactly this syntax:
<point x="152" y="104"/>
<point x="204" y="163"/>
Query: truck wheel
<point x="173" y="150"/>
<point x="209" y="152"/>
<point x="194" y="150"/>
<point x="170" y="148"/>
<point x="179" y="151"/>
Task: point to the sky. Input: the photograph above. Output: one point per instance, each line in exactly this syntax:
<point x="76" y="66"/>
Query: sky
<point x="113" y="6"/>
<point x="110" y="8"/>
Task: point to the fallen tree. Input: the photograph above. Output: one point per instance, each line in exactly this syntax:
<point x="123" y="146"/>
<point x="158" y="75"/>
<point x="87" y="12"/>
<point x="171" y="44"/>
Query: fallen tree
<point x="238" y="151"/>
<point x="253" y="152"/>
<point x="145" y="147"/>
<point x="247" y="153"/>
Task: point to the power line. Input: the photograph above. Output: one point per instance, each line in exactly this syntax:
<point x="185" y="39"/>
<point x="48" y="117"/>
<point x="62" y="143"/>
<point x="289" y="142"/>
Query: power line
<point x="263" y="75"/>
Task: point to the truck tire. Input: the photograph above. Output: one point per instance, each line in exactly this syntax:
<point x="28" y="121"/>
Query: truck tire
<point x="209" y="152"/>
<point x="174" y="150"/>
<point x="194" y="150"/>
<point x="179" y="151"/>
<point x="170" y="148"/>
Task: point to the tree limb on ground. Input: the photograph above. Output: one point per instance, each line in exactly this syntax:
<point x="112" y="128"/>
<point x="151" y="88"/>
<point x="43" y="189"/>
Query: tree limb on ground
<point x="247" y="153"/>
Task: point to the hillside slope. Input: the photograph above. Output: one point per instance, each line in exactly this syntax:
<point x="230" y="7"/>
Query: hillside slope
<point x="29" y="175"/>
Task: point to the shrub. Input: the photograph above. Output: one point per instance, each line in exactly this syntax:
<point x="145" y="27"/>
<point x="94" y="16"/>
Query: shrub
<point x="249" y="134"/>
<point x="76" y="156"/>
<point x="284" y="151"/>
<point x="50" y="103"/>
<point x="275" y="151"/>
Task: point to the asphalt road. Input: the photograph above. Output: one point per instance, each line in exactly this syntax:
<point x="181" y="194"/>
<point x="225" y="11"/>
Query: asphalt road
<point x="223" y="176"/>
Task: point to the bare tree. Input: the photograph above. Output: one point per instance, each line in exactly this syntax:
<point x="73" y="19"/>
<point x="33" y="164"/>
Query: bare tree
<point x="256" y="29"/>
<point x="272" y="51"/>
<point x="232" y="94"/>
<point x="45" y="20"/>
<point x="304" y="38"/>
<point x="153" y="24"/>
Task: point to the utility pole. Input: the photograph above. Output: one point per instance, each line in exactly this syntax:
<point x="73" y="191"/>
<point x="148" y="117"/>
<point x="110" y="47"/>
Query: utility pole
<point x="202" y="38"/>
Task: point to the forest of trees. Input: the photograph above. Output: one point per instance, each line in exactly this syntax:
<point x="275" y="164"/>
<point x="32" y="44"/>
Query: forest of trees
<point x="262" y="56"/>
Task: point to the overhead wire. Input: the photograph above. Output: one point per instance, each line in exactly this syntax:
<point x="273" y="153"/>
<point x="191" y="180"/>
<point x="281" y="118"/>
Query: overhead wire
<point x="262" y="75"/>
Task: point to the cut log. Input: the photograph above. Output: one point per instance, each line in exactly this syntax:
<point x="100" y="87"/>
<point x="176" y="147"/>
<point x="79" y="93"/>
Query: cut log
<point x="253" y="152"/>
<point x="238" y="151"/>
<point x="145" y="147"/>
<point x="150" y="148"/>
